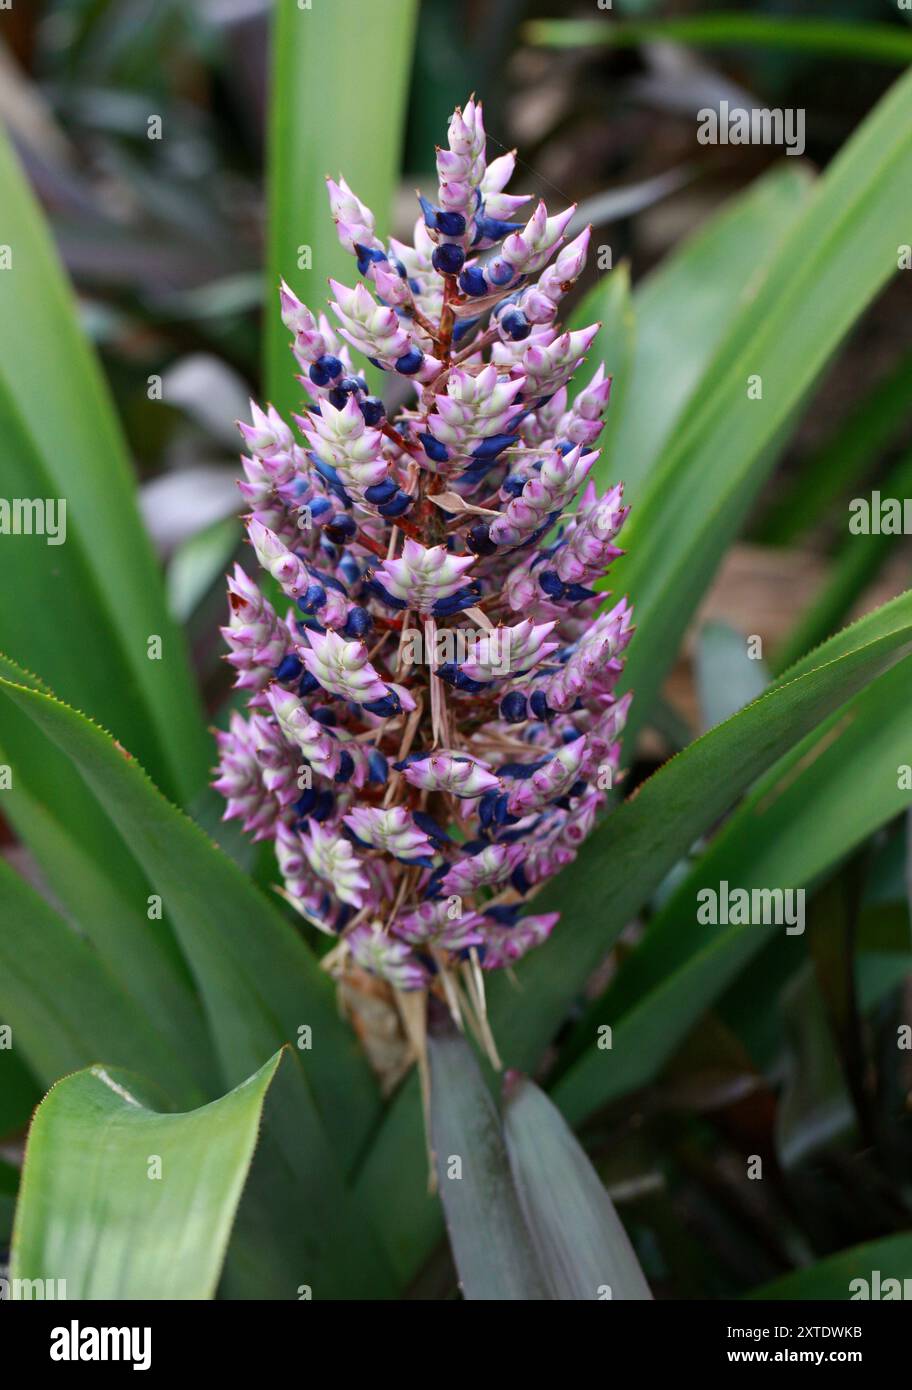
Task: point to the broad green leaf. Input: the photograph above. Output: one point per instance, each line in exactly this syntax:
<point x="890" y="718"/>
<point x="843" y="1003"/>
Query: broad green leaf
<point x="261" y="987"/>
<point x="124" y="1202"/>
<point x="259" y="982"/>
<point x="99" y="884"/>
<point x="832" y="790"/>
<point x="616" y="871"/>
<point x="838" y="254"/>
<point x="298" y="1224"/>
<point x="493" y="1250"/>
<point x="728" y="677"/>
<point x="844" y="458"/>
<point x="391" y="1184"/>
<point x="64" y="1008"/>
<point x="339" y="84"/>
<point x="628" y="855"/>
<point x="875" y="43"/>
<point x="682" y="310"/>
<point x="852" y="1274"/>
<point x="84" y="610"/>
<point x="857" y="564"/>
<point x="580" y="1240"/>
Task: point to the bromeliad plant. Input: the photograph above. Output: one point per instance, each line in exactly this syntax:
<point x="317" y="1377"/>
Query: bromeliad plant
<point x="435" y="705"/>
<point x="422" y="783"/>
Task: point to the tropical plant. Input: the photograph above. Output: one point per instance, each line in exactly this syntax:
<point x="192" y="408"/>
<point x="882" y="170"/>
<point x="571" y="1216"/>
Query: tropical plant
<point x="227" y="1126"/>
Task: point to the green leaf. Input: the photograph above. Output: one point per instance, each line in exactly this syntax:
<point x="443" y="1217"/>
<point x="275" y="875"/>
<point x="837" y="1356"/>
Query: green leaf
<point x="391" y="1184"/>
<point x="628" y="855"/>
<point x="198" y="563"/>
<point x="580" y="1240"/>
<point x="875" y="43"/>
<point x="857" y="564"/>
<point x="261" y="987"/>
<point x="62" y="441"/>
<point x="124" y="1202"/>
<point x="838" y="254"/>
<point x="19" y="1093"/>
<point x="98" y="884"/>
<point x="682" y="310"/>
<point x="842" y="460"/>
<point x="329" y="114"/>
<point x="492" y="1248"/>
<point x="728" y="678"/>
<point x="64" y="1008"/>
<point x="9" y="1186"/>
<point x="814" y="1107"/>
<point x="298" y="1223"/>
<point x="259" y="981"/>
<point x="831" y="791"/>
<point x="832" y="1278"/>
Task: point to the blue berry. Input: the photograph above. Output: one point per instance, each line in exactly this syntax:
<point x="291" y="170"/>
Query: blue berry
<point x="448" y="259"/>
<point x="472" y="282"/>
<point x="516" y="325"/>
<point x="513" y="707"/>
<point x="373" y="409"/>
<point x="342" y="526"/>
<point x="330" y="365"/>
<point x="288" y="669"/>
<point x="410" y="362"/>
<point x="451" y="223"/>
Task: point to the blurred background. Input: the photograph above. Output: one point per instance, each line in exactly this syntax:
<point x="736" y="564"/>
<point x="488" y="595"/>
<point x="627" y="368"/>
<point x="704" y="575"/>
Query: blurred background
<point x="165" y="241"/>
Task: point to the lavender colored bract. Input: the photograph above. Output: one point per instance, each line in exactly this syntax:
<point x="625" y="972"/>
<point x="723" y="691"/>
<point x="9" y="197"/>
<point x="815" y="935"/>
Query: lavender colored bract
<point x="432" y="718"/>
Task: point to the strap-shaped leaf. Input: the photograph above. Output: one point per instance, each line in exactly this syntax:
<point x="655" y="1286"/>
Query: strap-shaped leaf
<point x="861" y="1272"/>
<point x="259" y="982"/>
<point x="123" y="1202"/>
<point x="838" y="254"/>
<point x="493" y="1250"/>
<point x="682" y="310"/>
<point x="626" y="858"/>
<point x="580" y="1240"/>
<point x="261" y="987"/>
<point x="834" y="788"/>
<point x="327" y="115"/>
<point x="878" y="43"/>
<point x="855" y="566"/>
<point x="64" y="1007"/>
<point x="100" y="589"/>
<point x="99" y="884"/>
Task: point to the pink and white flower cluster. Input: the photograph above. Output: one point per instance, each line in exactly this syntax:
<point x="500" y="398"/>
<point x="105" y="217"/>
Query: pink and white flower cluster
<point x="416" y="809"/>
